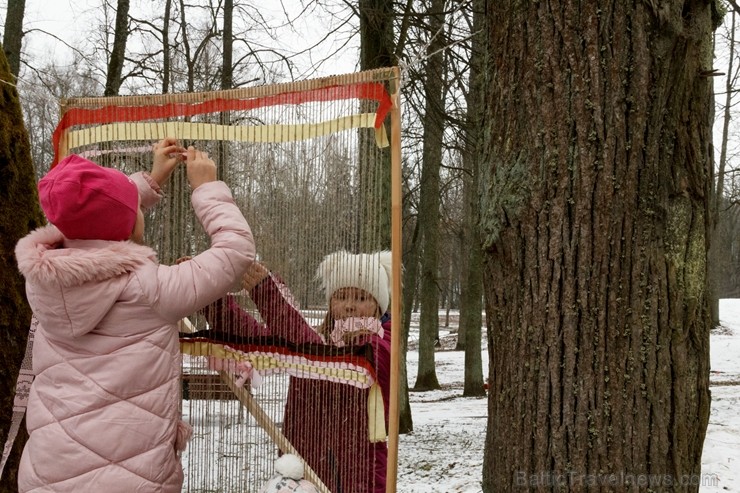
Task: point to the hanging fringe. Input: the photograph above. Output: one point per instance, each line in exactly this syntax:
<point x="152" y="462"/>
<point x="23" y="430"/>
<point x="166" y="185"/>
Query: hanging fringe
<point x="375" y="415"/>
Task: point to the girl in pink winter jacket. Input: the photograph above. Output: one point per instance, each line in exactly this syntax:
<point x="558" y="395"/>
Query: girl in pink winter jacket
<point x="103" y="412"/>
<point x="328" y="423"/>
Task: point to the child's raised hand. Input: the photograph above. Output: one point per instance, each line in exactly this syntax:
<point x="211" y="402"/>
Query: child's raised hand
<point x="256" y="272"/>
<point x="201" y="169"/>
<point x="167" y="154"/>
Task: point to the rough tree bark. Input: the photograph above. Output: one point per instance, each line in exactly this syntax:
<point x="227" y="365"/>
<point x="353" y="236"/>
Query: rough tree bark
<point x="19" y="214"/>
<point x="595" y="187"/>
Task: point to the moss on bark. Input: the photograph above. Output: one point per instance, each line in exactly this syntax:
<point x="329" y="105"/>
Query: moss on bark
<point x="19" y="214"/>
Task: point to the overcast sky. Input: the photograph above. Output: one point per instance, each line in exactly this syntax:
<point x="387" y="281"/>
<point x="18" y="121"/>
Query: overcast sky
<point x="67" y="19"/>
<point x="73" y="21"/>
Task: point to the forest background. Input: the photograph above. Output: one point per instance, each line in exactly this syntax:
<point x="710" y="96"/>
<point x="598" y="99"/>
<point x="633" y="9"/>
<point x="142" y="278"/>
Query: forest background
<point x="458" y="181"/>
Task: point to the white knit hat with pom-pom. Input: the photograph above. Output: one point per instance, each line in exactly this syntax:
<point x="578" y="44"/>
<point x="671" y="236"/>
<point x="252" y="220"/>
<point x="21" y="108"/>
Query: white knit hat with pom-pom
<point x="289" y="466"/>
<point x="289" y="477"/>
<point x="370" y="272"/>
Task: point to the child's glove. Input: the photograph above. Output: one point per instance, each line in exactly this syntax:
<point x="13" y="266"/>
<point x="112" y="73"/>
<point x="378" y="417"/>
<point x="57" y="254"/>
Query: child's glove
<point x="254" y="275"/>
<point x="243" y="370"/>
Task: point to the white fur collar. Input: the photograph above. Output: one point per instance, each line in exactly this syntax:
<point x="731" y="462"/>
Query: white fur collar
<point x="40" y="258"/>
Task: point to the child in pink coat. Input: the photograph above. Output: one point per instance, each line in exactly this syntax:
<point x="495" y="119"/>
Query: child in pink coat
<point x="328" y="422"/>
<point x="103" y="411"/>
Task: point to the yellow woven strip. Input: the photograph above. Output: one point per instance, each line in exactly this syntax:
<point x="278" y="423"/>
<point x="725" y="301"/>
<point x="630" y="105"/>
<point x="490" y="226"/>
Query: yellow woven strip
<point x="266" y="362"/>
<point x="202" y="348"/>
<point x="381" y="137"/>
<point x="376" y="415"/>
<point x="207" y="131"/>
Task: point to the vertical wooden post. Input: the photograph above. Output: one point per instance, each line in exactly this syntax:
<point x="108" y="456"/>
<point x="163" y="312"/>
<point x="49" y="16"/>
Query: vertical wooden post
<point x="396" y="266"/>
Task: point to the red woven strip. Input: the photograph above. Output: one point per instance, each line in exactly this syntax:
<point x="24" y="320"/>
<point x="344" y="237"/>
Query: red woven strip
<point x="109" y="114"/>
<point x="283" y="351"/>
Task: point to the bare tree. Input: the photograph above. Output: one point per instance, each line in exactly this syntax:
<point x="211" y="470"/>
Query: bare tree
<point x="51" y="82"/>
<point x="227" y="37"/>
<point x="426" y="378"/>
<point x="376" y="31"/>
<point x="471" y="304"/>
<point x="596" y="168"/>
<point x="715" y="251"/>
<point x="13" y="35"/>
<point x="189" y="60"/>
<point x="118" y="52"/>
<point x="166" y="50"/>
<point x="725" y="242"/>
<point x="378" y="49"/>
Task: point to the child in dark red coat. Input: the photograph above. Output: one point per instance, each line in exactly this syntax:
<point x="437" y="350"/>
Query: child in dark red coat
<point x="337" y="428"/>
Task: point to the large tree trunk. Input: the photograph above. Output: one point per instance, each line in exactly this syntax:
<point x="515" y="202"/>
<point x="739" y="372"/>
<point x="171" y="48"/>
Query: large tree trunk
<point x="118" y="53"/>
<point x="19" y="213"/>
<point x="595" y="188"/>
<point x="426" y="378"/>
<point x="13" y="35"/>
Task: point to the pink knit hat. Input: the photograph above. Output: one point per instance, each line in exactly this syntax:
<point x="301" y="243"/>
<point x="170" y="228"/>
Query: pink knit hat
<point x="89" y="202"/>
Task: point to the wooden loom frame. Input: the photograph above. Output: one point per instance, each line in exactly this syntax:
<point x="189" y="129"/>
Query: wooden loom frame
<point x="393" y="77"/>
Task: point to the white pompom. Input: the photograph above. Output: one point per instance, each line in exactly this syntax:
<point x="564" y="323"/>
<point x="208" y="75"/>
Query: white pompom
<point x="290" y="466"/>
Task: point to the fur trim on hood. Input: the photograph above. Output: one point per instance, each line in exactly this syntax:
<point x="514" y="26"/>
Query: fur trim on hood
<point x="41" y="260"/>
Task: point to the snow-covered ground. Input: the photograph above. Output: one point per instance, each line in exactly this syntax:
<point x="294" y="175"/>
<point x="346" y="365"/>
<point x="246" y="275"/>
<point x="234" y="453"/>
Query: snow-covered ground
<point x="444" y="454"/>
<point x="721" y="456"/>
<point x="445" y="451"/>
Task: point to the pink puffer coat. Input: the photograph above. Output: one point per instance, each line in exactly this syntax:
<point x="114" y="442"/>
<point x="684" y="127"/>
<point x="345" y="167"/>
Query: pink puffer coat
<point x="103" y="411"/>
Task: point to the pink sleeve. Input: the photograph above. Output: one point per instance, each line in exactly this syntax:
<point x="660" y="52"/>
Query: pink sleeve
<point x="149" y="191"/>
<point x="179" y="290"/>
